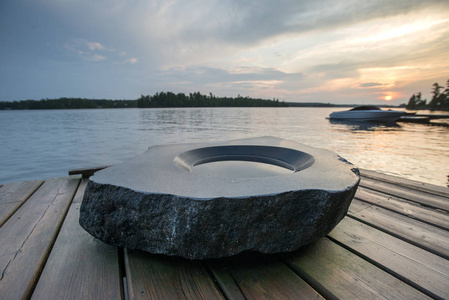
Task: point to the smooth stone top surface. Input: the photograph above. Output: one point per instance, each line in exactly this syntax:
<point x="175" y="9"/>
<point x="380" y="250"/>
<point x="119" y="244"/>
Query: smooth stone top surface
<point x="212" y="170"/>
<point x="218" y="199"/>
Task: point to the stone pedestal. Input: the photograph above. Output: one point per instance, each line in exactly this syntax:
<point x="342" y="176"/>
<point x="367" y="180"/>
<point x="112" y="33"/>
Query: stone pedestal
<point x="214" y="200"/>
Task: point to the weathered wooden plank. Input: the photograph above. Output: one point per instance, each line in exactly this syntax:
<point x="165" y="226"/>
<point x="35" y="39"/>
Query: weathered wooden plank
<point x="426" y="236"/>
<point x="27" y="237"/>
<point x="79" y="266"/>
<point x="358" y="206"/>
<point x="162" y="277"/>
<point x="411" y="184"/>
<point x="266" y="277"/>
<point x="404" y="207"/>
<point x="435" y="201"/>
<point x="338" y="273"/>
<point x="423" y="270"/>
<point x="12" y="196"/>
<point x="224" y="279"/>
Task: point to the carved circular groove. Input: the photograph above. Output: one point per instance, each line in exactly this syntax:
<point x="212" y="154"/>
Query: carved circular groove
<point x="198" y="200"/>
<point x="244" y="161"/>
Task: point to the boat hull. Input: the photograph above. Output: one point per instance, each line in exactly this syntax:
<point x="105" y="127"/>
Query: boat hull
<point x="373" y="116"/>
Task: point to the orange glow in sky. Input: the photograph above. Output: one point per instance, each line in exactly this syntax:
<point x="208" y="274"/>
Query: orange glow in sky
<point x="376" y="51"/>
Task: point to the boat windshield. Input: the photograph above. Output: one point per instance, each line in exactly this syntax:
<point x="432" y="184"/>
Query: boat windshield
<point x="366" y="107"/>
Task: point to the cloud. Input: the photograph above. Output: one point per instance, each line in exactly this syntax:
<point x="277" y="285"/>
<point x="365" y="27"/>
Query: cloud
<point x="132" y="60"/>
<point x="370" y="84"/>
<point x="94" y="51"/>
<point x="73" y="49"/>
<point x="96" y="57"/>
<point x="94" y="46"/>
<point x="85" y="49"/>
<point x="200" y="74"/>
<point x="327" y="39"/>
<point x="296" y="49"/>
<point x="254" y="82"/>
<point x="169" y="33"/>
<point x="249" y="22"/>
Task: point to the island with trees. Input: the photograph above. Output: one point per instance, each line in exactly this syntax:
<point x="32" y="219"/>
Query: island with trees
<point x="439" y="101"/>
<point x="159" y="100"/>
<point x="67" y="103"/>
<point x="169" y="99"/>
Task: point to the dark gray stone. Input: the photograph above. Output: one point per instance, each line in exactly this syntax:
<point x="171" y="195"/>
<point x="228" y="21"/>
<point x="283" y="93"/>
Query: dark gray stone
<point x="158" y="202"/>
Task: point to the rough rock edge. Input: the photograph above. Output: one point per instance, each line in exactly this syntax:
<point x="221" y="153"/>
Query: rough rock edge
<point x="199" y="229"/>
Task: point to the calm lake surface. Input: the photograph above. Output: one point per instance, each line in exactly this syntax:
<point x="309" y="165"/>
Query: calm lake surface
<point x="39" y="144"/>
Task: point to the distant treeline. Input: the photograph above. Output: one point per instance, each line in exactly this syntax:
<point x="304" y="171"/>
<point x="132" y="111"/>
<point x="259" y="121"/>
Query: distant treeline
<point x="440" y="99"/>
<point x="316" y="104"/>
<point x="169" y="99"/>
<point x="67" y="103"/>
<point x="162" y="99"/>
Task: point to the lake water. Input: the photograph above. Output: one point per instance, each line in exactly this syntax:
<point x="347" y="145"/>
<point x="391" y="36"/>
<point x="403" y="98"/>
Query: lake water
<point x="39" y="144"/>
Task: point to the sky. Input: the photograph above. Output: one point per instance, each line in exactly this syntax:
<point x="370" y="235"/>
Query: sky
<point x="348" y="52"/>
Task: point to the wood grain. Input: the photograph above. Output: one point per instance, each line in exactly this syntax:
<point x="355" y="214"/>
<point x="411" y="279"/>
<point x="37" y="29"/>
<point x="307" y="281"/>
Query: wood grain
<point x="407" y="183"/>
<point x="13" y="195"/>
<point x="163" y="277"/>
<point x="394" y="244"/>
<point x="431" y="238"/>
<point x="261" y="276"/>
<point x="425" y="271"/>
<point x="80" y="266"/>
<point x="223" y="277"/>
<point x="339" y="274"/>
<point x="421" y="197"/>
<point x="28" y="236"/>
<point x="404" y="207"/>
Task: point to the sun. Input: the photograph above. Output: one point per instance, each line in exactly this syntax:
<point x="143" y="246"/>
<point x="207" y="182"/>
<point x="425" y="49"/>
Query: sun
<point x="388" y="98"/>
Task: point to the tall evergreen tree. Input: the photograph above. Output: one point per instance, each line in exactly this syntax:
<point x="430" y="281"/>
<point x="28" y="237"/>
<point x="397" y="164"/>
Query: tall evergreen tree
<point x="436" y="96"/>
<point x="411" y="102"/>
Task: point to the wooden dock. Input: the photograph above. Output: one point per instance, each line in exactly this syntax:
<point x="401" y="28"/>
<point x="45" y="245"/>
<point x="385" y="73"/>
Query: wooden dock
<point x="393" y="244"/>
<point x="424" y="118"/>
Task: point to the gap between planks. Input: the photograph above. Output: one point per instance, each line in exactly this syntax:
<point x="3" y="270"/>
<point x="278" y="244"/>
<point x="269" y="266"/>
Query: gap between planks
<point x="28" y="236"/>
<point x="425" y="271"/>
<point x="14" y="195"/>
<point x="407" y="183"/>
<point x="409" y="193"/>
<point x="401" y="206"/>
<point x="84" y="266"/>
<point x="413" y="231"/>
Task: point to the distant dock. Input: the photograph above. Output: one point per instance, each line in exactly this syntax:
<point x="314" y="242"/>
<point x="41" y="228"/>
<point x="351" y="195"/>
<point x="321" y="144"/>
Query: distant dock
<point x="424" y="118"/>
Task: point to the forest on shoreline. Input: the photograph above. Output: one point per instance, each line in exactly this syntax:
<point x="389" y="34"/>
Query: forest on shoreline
<point x="439" y="100"/>
<point x="66" y="103"/>
<point x="158" y="100"/>
<point x="169" y="99"/>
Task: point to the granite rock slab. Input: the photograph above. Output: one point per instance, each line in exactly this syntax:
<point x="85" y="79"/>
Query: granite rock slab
<point x="262" y="194"/>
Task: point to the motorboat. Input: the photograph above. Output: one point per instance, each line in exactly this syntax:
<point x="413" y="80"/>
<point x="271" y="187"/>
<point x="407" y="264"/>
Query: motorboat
<point x="367" y="113"/>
